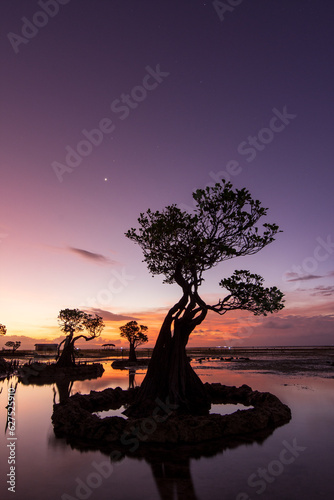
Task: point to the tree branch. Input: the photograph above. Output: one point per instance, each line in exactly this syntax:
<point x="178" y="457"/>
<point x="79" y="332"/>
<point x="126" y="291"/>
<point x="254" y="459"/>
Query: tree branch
<point x="87" y="339"/>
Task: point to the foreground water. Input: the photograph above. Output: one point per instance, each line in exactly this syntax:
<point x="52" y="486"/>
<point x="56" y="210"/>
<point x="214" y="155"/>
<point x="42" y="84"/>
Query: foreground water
<point x="294" y="462"/>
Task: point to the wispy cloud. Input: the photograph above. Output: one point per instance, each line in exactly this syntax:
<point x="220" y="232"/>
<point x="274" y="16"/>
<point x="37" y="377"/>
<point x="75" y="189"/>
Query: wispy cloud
<point x="279" y="323"/>
<point x="96" y="257"/>
<point x="301" y="277"/>
<point x="325" y="291"/>
<point x="109" y="316"/>
<point x="307" y="277"/>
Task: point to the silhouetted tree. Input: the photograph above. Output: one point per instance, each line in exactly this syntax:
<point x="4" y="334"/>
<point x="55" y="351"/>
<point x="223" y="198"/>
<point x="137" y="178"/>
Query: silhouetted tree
<point x="181" y="246"/>
<point x="14" y="345"/>
<point x="3" y="363"/>
<point x="72" y="321"/>
<point x="136" y="336"/>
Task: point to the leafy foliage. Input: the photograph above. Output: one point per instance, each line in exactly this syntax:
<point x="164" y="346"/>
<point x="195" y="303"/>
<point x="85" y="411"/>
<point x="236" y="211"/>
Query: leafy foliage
<point x="71" y="320"/>
<point x="134" y="333"/>
<point x="3" y="329"/>
<point x="247" y="292"/>
<point x="94" y="326"/>
<point x="14" y="345"/>
<point x="74" y="320"/>
<point x="222" y="226"/>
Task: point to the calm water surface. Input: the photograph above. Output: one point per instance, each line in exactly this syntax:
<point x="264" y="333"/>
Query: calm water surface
<point x="294" y="462"/>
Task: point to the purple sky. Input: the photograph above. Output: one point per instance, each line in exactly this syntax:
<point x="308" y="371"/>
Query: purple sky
<point x="183" y="95"/>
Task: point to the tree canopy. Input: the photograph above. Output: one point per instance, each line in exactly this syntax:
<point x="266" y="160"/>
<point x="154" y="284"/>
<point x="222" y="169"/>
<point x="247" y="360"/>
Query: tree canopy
<point x="14" y="345"/>
<point x="136" y="336"/>
<point x="3" y="329"/>
<point x="73" y="321"/>
<point x="181" y="246"/>
<point x="134" y="333"/>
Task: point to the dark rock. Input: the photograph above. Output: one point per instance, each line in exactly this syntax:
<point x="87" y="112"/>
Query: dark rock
<point x="124" y="364"/>
<point x="74" y="418"/>
<point x="42" y="373"/>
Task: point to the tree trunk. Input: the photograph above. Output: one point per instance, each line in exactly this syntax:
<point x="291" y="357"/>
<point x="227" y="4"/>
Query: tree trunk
<point x="132" y="353"/>
<point x="67" y="358"/>
<point x="169" y="377"/>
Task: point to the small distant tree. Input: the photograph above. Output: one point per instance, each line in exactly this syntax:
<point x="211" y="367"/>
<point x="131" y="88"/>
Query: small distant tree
<point x="3" y="363"/>
<point x="73" y="321"/>
<point x="14" y="345"/>
<point x="136" y="335"/>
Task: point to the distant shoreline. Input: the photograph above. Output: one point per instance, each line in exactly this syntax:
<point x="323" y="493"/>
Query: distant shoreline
<point x="191" y="351"/>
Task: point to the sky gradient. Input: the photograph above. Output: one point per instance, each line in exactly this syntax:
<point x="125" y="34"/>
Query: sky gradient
<point x="113" y="107"/>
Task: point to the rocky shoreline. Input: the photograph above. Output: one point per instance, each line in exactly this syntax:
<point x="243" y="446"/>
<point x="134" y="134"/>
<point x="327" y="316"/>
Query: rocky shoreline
<point x="75" y="420"/>
<point x="42" y="373"/>
<point x="123" y="364"/>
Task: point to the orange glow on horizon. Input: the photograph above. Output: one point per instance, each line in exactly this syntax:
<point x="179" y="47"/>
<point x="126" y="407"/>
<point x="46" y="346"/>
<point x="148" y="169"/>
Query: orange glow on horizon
<point x="234" y="328"/>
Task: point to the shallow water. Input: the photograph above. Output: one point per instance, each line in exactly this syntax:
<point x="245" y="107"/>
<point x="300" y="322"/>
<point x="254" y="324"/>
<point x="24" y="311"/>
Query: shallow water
<point x="294" y="462"/>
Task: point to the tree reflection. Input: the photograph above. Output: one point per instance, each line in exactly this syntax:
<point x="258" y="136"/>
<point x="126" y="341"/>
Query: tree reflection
<point x="170" y="464"/>
<point x="132" y="374"/>
<point x="64" y="387"/>
<point x="177" y="440"/>
<point x="173" y="479"/>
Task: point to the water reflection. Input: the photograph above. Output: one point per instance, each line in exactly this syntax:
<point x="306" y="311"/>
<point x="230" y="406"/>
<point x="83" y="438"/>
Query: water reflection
<point x="11" y="406"/>
<point x="170" y="465"/>
<point x="174" y="480"/>
<point x="64" y="388"/>
<point x="132" y="374"/>
<point x="33" y="374"/>
<point x="164" y="473"/>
